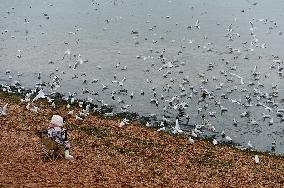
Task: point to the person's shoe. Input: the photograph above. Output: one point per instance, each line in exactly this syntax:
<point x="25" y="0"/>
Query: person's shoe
<point x="68" y="156"/>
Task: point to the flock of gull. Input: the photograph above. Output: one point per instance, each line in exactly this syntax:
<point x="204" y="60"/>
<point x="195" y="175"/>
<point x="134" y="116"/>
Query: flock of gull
<point x="188" y="104"/>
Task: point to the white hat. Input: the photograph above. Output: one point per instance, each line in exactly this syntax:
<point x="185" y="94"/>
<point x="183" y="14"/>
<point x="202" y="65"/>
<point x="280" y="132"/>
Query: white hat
<point x="57" y="120"/>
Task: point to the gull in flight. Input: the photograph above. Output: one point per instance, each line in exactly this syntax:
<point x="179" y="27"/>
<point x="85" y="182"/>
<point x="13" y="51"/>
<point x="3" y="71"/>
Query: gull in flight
<point x="229" y="139"/>
<point x="250" y="145"/>
<point x="197" y="24"/>
<point x="148" y="124"/>
<point x="123" y="122"/>
<point x="193" y="134"/>
<point x="161" y="129"/>
<point x="104" y="86"/>
<point x="177" y="128"/>
<point x="190" y="140"/>
<point x="214" y="142"/>
<point x="39" y="95"/>
<point x="4" y="110"/>
<point x="120" y="83"/>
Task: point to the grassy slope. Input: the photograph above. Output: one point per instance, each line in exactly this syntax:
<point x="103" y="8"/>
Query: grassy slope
<point x="131" y="156"/>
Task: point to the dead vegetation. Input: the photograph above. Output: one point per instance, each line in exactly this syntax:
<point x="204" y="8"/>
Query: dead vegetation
<point x="131" y="156"/>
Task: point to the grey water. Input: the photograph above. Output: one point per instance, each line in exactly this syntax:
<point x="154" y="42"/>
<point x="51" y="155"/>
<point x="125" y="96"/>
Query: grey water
<point x="167" y="48"/>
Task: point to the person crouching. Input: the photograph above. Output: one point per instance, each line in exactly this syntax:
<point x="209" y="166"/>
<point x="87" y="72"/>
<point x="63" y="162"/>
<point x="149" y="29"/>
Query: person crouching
<point x="56" y="132"/>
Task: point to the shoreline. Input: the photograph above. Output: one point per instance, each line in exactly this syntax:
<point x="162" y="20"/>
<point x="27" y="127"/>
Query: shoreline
<point x="131" y="156"/>
<point x="16" y="96"/>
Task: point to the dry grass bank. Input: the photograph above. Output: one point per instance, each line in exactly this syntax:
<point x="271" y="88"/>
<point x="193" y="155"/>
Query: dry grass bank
<point x="131" y="156"/>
